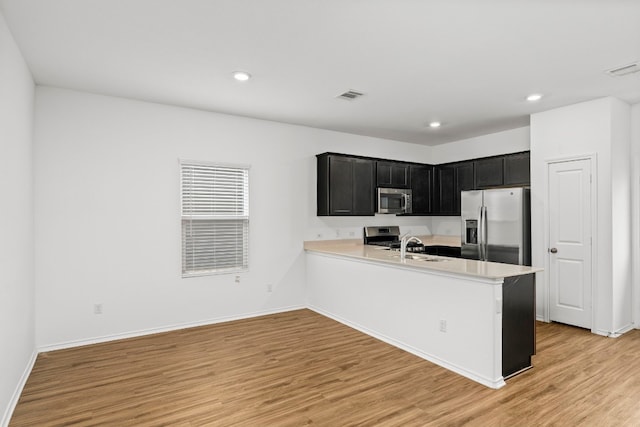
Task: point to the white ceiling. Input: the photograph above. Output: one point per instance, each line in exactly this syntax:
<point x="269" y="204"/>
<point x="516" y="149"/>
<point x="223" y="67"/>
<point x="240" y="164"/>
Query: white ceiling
<point x="467" y="63"/>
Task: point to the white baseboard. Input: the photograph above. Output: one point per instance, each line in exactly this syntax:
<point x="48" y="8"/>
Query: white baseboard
<point x="18" y="391"/>
<point x="613" y="334"/>
<point x="623" y="330"/>
<point x="151" y="331"/>
<point x="491" y="383"/>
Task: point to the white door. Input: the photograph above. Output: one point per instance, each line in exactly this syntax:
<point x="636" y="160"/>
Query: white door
<point x="569" y="249"/>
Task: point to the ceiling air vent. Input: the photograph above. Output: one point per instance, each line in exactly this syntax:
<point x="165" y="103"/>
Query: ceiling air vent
<point x="350" y="95"/>
<point x="624" y="70"/>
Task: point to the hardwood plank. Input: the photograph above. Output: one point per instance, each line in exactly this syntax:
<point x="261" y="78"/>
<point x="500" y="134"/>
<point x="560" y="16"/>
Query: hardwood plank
<point x="301" y="368"/>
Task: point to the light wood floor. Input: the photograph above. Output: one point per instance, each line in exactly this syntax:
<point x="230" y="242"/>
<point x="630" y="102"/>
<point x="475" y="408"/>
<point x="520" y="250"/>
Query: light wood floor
<point x="300" y="368"/>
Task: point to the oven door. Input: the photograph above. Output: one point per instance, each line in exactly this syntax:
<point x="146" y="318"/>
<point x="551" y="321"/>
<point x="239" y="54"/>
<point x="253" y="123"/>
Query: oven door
<point x="394" y="201"/>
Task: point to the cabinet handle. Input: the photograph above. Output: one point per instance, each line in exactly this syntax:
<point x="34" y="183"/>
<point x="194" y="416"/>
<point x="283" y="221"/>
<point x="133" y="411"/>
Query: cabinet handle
<point x="553" y="250"/>
<point x="342" y="210"/>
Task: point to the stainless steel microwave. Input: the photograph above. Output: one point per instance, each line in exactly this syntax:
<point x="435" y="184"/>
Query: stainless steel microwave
<point x="394" y="201"/>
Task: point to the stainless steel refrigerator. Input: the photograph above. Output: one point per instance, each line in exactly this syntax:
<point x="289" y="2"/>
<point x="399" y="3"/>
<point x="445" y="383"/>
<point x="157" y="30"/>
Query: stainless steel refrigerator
<point x="496" y="225"/>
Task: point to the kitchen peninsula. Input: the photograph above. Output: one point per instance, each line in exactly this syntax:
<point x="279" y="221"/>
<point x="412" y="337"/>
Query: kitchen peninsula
<point x="474" y="318"/>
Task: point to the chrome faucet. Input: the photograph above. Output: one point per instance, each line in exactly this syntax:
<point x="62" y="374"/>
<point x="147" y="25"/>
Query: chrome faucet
<point x="403" y="245"/>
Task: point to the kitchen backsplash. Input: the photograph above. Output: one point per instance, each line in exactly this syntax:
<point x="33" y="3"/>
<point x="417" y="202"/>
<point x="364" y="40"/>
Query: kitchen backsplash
<point x="446" y="226"/>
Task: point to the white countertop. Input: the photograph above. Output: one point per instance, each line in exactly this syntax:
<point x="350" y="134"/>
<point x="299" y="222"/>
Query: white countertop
<point x="354" y="248"/>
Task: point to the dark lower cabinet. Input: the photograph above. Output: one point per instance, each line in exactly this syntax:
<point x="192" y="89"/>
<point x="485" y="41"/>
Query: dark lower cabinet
<point x="345" y="186"/>
<point x="450" y="251"/>
<point x="518" y="323"/>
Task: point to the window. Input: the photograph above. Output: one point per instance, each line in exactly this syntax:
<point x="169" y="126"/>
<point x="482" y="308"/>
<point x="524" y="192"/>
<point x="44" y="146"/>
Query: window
<point x="215" y="218"/>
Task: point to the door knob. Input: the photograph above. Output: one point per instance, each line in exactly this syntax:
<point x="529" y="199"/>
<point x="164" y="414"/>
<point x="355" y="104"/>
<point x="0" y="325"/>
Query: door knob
<point x="553" y="250"/>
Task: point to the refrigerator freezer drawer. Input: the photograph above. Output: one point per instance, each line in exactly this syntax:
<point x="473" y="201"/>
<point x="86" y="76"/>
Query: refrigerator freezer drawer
<point x="505" y="254"/>
<point x="470" y="251"/>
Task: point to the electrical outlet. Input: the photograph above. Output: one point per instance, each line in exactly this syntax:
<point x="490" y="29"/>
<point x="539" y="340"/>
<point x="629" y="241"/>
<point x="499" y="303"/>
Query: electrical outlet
<point x="443" y="325"/>
<point x="269" y="287"/>
<point x="97" y="308"/>
<point x="319" y="236"/>
<point x="237" y="279"/>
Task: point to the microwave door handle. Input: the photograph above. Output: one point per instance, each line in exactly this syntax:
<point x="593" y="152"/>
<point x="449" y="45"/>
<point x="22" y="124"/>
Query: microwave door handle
<point x="405" y="202"/>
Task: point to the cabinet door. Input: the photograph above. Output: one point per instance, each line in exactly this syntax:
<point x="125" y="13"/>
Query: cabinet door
<point x="444" y="190"/>
<point x="517" y="169"/>
<point x="391" y="174"/>
<point x="421" y="177"/>
<point x="400" y="175"/>
<point x="345" y="185"/>
<point x="450" y="251"/>
<point x="464" y="181"/>
<point x="518" y="323"/>
<point x="489" y="172"/>
<point x="363" y="187"/>
<point x="341" y="185"/>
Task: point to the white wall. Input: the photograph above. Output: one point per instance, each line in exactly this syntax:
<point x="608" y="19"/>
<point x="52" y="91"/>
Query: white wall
<point x="16" y="222"/>
<point x="509" y="141"/>
<point x="505" y="142"/>
<point x="621" y="261"/>
<point x="595" y="127"/>
<point x="404" y="307"/>
<point x="107" y="213"/>
<point x="635" y="209"/>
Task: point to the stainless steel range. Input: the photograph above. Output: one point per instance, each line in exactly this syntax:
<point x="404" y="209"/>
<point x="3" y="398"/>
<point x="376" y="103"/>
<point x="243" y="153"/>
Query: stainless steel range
<point x="389" y="237"/>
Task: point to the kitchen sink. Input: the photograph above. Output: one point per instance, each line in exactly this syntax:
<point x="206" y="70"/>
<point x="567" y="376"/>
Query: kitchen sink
<point x="426" y="258"/>
<point x="430" y="259"/>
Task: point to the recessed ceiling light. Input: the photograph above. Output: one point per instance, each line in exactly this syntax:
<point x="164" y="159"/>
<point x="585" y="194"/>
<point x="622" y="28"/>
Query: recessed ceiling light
<point x="534" y="97"/>
<point x="435" y="124"/>
<point x="241" y="76"/>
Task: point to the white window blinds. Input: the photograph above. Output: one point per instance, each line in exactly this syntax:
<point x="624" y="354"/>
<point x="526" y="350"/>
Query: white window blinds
<point x="215" y="218"/>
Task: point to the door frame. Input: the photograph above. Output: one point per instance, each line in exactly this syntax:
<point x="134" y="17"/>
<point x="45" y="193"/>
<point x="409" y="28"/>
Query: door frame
<point x="593" y="159"/>
<point x="635" y="239"/>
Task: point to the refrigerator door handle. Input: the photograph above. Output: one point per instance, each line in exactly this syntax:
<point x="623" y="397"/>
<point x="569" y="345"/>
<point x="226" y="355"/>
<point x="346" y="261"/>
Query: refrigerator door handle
<point x="484" y="234"/>
<point x="480" y="241"/>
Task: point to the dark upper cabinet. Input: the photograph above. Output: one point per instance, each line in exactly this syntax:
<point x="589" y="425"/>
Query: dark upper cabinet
<point x="392" y="174"/>
<point x="517" y="169"/>
<point x="444" y="200"/>
<point x="421" y="178"/>
<point x="489" y="172"/>
<point x="507" y="170"/>
<point x="464" y="181"/>
<point x="364" y="202"/>
<point x="450" y="180"/>
<point x="345" y="185"/>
